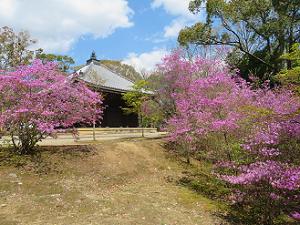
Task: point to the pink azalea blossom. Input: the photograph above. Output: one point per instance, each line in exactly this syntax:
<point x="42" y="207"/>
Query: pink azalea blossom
<point x="37" y="99"/>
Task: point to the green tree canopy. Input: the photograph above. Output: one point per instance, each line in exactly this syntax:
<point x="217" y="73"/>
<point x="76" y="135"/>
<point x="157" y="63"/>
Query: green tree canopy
<point x="259" y="31"/>
<point x="291" y="76"/>
<point x="135" y="98"/>
<point x="14" y="48"/>
<point x="64" y="61"/>
<point x="140" y="101"/>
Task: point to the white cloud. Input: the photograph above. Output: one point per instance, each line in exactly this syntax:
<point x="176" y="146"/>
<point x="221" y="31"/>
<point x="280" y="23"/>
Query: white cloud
<point x="173" y="29"/>
<point x="179" y="9"/>
<point x="58" y="24"/>
<point x="145" y="61"/>
<point x="174" y="7"/>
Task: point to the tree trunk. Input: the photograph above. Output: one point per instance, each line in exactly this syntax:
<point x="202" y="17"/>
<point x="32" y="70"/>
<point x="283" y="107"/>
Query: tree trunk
<point x="227" y="148"/>
<point x="28" y="136"/>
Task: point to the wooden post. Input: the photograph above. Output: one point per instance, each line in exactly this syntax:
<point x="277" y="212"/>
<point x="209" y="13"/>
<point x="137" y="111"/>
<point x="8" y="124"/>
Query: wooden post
<point x="143" y="135"/>
<point x="94" y="131"/>
<point x="94" y="125"/>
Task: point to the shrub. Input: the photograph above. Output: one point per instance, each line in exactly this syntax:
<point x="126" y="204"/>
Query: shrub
<point x="253" y="133"/>
<point x="36" y="100"/>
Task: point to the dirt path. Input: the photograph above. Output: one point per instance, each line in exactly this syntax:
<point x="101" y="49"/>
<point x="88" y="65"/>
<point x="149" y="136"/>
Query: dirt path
<point x="117" y="183"/>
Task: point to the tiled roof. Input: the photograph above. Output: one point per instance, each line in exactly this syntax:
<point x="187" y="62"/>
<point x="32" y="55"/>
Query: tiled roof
<point x="102" y="77"/>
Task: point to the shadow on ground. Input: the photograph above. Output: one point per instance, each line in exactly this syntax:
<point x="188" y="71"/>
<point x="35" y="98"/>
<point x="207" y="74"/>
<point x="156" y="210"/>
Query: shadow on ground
<point x="114" y="182"/>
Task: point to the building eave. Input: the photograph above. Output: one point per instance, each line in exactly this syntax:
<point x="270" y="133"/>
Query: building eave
<point x="101" y="87"/>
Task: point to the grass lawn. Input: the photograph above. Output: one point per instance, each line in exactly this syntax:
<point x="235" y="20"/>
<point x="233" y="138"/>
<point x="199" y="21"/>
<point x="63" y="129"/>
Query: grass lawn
<point x="115" y="182"/>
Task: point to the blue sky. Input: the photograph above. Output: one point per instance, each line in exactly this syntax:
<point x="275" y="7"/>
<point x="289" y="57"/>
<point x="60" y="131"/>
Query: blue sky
<point x="146" y="35"/>
<point x="137" y="32"/>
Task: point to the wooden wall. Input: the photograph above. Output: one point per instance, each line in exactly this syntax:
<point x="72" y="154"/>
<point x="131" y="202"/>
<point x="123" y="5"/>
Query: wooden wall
<point x="113" y="114"/>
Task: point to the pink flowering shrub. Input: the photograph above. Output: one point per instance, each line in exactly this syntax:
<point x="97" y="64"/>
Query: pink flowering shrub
<point x="207" y="99"/>
<point x="177" y="72"/>
<point x="210" y="103"/>
<point x="271" y="175"/>
<point x="37" y="100"/>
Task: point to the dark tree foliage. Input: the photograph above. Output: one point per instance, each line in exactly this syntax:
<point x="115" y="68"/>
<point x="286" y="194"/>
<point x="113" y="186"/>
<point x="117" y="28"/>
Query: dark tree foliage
<point x="259" y="31"/>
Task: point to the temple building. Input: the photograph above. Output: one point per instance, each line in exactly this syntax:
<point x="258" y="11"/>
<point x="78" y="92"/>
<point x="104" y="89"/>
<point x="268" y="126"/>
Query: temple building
<point x="111" y="85"/>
